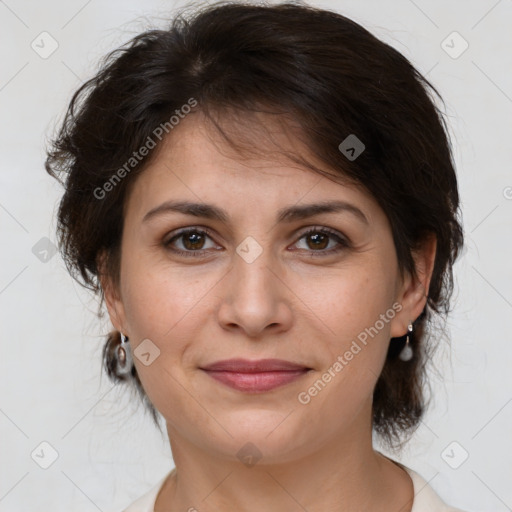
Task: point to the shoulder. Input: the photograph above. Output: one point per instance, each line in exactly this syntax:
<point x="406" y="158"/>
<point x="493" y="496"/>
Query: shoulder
<point x="425" y="498"/>
<point x="146" y="502"/>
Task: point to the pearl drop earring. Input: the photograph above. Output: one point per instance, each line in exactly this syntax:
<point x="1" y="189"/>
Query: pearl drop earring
<point x="407" y="352"/>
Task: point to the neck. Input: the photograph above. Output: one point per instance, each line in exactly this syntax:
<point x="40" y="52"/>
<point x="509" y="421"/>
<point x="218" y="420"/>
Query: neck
<point x="340" y="475"/>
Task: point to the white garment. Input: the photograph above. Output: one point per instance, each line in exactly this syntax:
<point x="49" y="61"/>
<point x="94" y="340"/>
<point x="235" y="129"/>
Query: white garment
<point x="425" y="499"/>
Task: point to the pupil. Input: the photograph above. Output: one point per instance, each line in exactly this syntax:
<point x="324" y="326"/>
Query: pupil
<point x="319" y="237"/>
<point x="191" y="239"/>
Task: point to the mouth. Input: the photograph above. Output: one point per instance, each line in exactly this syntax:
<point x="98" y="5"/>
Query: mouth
<point x="255" y="376"/>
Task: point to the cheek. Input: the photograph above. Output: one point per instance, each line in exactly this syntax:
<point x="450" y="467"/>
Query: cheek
<point x="353" y="310"/>
<point x="159" y="298"/>
<point x="164" y="306"/>
<point x="347" y="301"/>
<point x="169" y="307"/>
<point x="353" y="353"/>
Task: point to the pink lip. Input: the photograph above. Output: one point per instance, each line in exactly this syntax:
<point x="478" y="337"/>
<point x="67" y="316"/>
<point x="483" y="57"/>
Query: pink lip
<point x="254" y="366"/>
<point x="255" y="376"/>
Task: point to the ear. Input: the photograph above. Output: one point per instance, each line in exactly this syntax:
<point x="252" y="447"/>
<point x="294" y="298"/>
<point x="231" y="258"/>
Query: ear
<point x="413" y="290"/>
<point x="112" y="295"/>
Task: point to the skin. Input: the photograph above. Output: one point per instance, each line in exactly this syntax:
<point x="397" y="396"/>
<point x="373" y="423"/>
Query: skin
<point x="286" y="304"/>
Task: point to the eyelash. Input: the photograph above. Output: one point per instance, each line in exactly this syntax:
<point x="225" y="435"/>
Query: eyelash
<point x="344" y="244"/>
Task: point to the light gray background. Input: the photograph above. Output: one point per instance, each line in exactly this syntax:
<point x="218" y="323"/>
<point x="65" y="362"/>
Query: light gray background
<point x="51" y="386"/>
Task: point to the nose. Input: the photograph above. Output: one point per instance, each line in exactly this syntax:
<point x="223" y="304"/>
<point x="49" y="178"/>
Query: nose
<point x="255" y="298"/>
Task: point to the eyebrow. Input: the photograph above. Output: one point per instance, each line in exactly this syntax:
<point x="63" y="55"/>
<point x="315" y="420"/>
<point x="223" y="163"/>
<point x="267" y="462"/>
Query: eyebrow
<point x="288" y="214"/>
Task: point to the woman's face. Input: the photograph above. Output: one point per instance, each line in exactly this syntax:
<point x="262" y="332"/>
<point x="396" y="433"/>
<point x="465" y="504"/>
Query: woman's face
<point x="256" y="286"/>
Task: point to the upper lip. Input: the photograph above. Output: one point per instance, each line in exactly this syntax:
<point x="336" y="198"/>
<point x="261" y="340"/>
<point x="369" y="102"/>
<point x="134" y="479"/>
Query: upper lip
<point x="254" y="366"/>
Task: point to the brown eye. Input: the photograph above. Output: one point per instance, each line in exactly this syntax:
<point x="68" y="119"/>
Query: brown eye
<point x="192" y="242"/>
<point x="319" y="239"/>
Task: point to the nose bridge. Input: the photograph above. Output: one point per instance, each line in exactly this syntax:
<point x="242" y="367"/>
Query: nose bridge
<point x="253" y="297"/>
<point x="252" y="267"/>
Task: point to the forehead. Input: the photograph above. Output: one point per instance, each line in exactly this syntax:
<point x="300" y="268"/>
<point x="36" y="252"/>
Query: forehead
<point x="235" y="141"/>
<point x="196" y="162"/>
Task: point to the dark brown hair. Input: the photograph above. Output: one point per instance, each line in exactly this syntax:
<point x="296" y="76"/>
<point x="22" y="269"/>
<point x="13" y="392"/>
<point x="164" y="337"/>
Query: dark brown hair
<point x="318" y="68"/>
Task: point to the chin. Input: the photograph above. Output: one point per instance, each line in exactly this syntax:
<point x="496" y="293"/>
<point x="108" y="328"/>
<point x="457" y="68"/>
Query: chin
<point x="268" y="437"/>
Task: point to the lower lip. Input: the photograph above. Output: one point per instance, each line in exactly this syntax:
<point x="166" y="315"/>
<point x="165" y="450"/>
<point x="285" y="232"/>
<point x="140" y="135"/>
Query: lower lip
<point x="256" y="382"/>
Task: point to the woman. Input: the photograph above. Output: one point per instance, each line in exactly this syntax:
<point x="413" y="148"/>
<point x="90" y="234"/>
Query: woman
<point x="265" y="199"/>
